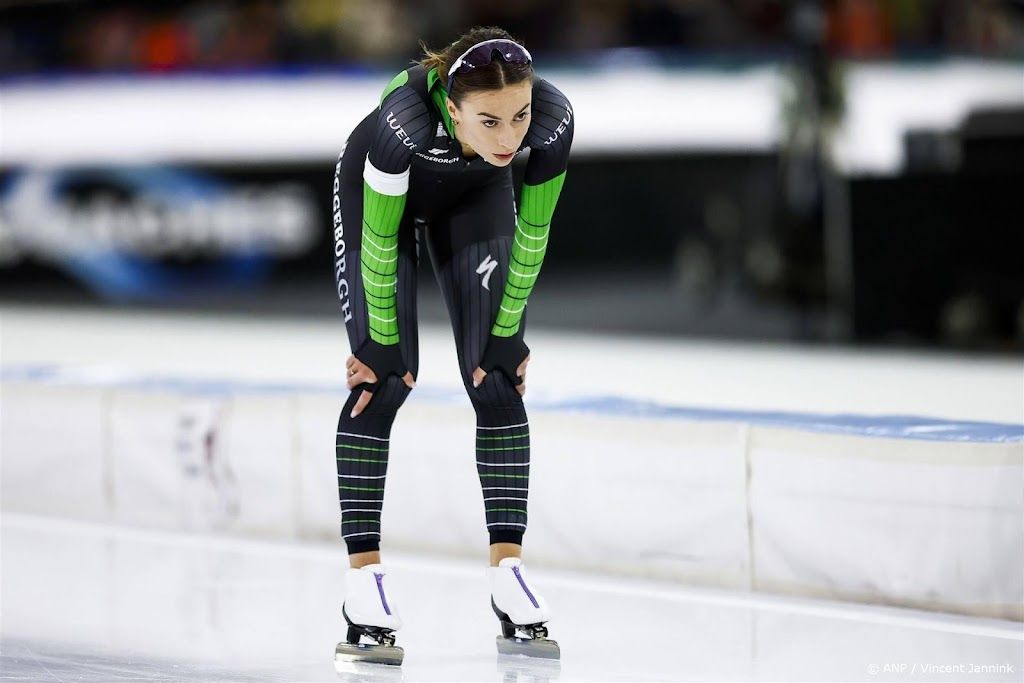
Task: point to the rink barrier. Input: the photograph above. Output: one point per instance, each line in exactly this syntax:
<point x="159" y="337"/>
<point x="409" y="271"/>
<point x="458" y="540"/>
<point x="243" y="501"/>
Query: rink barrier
<point x="892" y="426"/>
<point x="897" y="510"/>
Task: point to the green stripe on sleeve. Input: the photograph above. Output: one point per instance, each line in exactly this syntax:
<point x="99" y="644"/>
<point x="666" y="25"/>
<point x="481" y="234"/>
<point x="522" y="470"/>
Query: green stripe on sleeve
<point x="529" y="244"/>
<point x="378" y="260"/>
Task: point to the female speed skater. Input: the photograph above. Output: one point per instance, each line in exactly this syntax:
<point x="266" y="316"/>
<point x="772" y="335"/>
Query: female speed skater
<point x="432" y="163"/>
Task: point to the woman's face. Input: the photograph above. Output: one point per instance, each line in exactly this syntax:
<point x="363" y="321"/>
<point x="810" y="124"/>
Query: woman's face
<point x="493" y="123"/>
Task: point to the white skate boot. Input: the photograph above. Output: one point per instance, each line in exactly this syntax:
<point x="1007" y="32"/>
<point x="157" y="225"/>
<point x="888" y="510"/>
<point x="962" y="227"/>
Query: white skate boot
<point x="369" y="611"/>
<point x="520" y="608"/>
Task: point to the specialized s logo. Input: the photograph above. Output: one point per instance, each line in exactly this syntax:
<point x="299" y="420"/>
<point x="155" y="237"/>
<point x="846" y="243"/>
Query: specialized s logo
<point x="487" y="266"/>
<point x="399" y="131"/>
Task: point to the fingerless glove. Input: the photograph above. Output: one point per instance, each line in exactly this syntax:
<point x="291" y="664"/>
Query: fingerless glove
<point x="383" y="359"/>
<point x="505" y="354"/>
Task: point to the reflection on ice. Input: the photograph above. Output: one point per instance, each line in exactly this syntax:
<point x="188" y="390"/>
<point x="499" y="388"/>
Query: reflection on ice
<point x="520" y="669"/>
<point x="362" y="672"/>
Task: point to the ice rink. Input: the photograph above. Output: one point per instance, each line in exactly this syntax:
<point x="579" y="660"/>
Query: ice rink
<point x="94" y="602"/>
<point x="97" y="603"/>
<point x="774" y="405"/>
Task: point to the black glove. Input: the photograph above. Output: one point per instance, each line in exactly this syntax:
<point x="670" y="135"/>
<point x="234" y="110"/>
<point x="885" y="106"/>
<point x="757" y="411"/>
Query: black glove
<point x="505" y="354"/>
<point x="383" y="359"/>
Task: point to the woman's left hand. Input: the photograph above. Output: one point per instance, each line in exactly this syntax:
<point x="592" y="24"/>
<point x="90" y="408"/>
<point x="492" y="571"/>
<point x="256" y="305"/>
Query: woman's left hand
<point x="479" y="374"/>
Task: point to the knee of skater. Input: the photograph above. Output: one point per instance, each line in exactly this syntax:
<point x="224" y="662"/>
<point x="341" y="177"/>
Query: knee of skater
<point x="388" y="397"/>
<point x="495" y="392"/>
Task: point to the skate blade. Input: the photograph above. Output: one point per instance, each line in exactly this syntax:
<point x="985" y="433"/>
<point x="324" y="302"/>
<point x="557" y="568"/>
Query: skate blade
<point x="370" y="654"/>
<point x="541" y="648"/>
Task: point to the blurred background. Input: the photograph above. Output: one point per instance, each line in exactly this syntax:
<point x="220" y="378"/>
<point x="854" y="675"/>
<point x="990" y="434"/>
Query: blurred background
<point x="843" y="171"/>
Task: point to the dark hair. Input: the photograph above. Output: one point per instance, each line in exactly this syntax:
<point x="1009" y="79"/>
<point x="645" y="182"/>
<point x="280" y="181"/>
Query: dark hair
<point x="494" y="76"/>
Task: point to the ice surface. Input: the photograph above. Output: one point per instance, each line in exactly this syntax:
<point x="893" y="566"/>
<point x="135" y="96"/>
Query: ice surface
<point x="87" y="602"/>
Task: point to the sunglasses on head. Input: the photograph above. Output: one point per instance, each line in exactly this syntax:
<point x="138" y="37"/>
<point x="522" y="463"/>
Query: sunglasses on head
<point x="481" y="54"/>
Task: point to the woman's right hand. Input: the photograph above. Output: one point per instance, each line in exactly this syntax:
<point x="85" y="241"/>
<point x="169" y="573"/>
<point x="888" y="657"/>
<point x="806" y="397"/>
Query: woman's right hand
<point x="359" y="372"/>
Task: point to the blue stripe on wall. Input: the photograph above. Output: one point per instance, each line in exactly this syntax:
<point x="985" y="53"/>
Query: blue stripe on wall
<point x="885" y="426"/>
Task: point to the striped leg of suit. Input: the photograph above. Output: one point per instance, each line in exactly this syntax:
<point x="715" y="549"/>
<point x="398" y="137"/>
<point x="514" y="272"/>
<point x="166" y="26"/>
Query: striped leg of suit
<point x="472" y="291"/>
<point x="503" y="463"/>
<point x="362" y="443"/>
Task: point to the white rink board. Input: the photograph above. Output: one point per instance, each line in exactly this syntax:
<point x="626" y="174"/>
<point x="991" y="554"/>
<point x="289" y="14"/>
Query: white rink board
<point x="605" y="493"/>
<point x="61" y="472"/>
<point x="922" y="523"/>
<point x="936" y="525"/>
